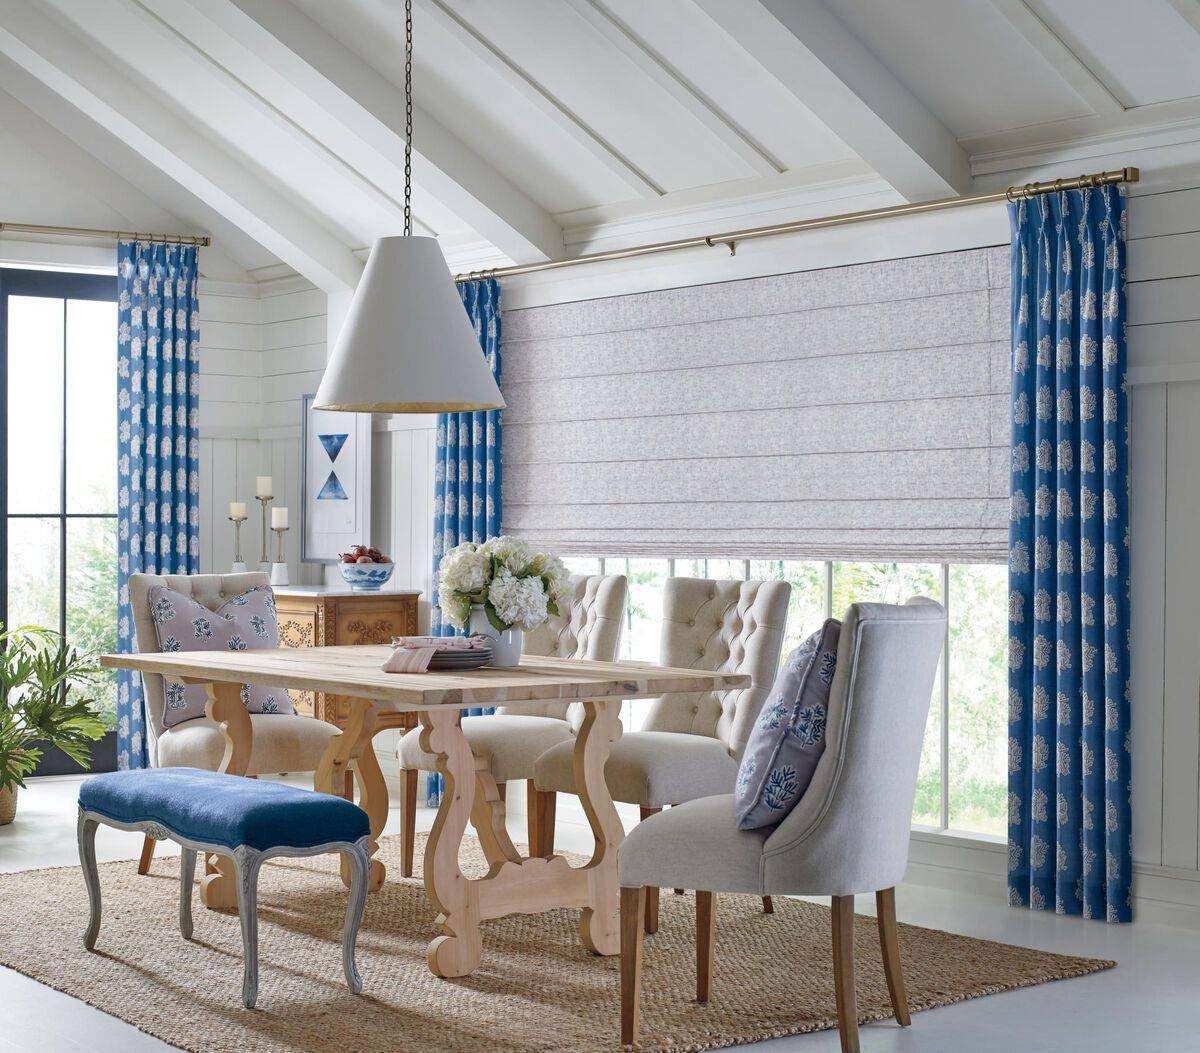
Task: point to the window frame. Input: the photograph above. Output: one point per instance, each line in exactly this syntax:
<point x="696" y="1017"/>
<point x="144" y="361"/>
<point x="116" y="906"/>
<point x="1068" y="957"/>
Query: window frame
<point x="944" y="692"/>
<point x="54" y="285"/>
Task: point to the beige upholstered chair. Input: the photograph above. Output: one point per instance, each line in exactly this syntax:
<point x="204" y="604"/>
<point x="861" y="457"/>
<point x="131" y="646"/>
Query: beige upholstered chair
<point x="849" y="833"/>
<point x="691" y="743"/>
<point x="509" y="742"/>
<point x="279" y="742"/>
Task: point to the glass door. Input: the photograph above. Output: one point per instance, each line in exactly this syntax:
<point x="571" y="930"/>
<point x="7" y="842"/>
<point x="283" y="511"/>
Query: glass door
<point x="58" y="428"/>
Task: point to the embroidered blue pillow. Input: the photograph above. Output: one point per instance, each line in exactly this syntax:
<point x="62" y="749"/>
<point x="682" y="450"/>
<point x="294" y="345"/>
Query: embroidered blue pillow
<point x="243" y="623"/>
<point x="789" y="737"/>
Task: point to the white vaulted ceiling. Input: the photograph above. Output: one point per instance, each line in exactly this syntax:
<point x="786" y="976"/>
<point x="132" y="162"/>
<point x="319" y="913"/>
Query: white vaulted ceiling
<point x="546" y="128"/>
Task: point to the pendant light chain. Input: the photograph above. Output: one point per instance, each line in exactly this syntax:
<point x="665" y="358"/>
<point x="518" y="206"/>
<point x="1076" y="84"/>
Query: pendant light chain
<point x="408" y="108"/>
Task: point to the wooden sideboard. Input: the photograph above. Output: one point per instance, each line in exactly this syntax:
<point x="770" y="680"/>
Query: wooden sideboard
<point x="321" y="616"/>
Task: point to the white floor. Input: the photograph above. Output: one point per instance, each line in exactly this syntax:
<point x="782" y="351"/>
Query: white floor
<point x="1150" y="1002"/>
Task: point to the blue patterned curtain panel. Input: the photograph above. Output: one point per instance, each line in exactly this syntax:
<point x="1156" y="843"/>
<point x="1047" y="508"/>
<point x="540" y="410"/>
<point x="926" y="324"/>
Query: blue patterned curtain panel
<point x="158" y="464"/>
<point x="1068" y="747"/>
<point x="467" y="469"/>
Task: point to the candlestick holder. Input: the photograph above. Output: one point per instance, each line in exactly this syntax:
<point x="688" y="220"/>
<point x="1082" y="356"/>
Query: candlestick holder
<point x="238" y="566"/>
<point x="264" y="564"/>
<point x="279" y="569"/>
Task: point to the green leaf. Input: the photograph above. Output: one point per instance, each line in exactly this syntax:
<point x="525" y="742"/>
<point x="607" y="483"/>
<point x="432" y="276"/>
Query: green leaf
<point x="494" y="619"/>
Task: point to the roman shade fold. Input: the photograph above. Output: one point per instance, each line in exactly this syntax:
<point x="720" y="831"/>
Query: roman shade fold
<point x="852" y="412"/>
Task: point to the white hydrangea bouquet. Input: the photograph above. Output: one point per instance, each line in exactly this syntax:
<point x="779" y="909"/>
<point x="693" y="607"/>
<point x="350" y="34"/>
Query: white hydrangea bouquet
<point x="501" y="585"/>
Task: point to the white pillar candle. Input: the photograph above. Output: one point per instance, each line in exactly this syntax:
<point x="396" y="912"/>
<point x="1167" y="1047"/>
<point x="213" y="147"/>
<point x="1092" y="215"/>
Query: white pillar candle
<point x="279" y="518"/>
<point x="263" y="486"/>
<point x="237" y="509"/>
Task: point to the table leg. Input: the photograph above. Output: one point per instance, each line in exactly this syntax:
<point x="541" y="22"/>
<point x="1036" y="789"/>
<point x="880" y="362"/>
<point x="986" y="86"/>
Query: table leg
<point x="456" y="952"/>
<point x="600" y="923"/>
<point x="515" y="884"/>
<point x="353" y="747"/>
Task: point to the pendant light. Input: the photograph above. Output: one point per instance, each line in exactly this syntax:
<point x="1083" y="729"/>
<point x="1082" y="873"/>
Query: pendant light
<point x="407" y="345"/>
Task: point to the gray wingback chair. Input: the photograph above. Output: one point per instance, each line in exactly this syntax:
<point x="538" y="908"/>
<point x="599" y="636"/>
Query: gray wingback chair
<point x="510" y="741"/>
<point x="692" y="742"/>
<point x="279" y="742"/>
<point x="848" y="834"/>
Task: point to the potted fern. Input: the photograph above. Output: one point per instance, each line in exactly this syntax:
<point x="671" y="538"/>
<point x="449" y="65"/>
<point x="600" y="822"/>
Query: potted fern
<point x="41" y="704"/>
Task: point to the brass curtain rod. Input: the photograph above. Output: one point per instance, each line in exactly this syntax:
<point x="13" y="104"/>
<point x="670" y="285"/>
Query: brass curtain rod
<point x="731" y="238"/>
<point x="117" y="235"/>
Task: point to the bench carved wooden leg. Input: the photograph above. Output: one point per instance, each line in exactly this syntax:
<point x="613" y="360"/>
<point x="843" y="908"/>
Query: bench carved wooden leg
<point x="359" y="862"/>
<point x="86" y="834"/>
<point x="353" y="746"/>
<point x="245" y="867"/>
<point x="457" y="951"/>
<point x="187" y="877"/>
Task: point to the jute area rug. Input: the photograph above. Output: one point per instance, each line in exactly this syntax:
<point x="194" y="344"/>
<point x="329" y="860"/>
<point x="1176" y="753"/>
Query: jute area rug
<point x="537" y="988"/>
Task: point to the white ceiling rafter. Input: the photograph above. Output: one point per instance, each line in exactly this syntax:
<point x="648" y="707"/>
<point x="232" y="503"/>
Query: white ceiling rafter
<point x="56" y="131"/>
<point x="46" y="48"/>
<point x="1190" y="10"/>
<point x="320" y="81"/>
<point x="1082" y="80"/>
<point x="757" y="159"/>
<point x="812" y="54"/>
<point x="216" y="53"/>
<point x="546" y="104"/>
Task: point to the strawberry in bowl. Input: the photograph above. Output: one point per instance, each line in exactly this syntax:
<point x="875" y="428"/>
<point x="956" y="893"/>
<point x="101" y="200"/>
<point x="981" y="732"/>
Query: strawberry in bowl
<point x="365" y="568"/>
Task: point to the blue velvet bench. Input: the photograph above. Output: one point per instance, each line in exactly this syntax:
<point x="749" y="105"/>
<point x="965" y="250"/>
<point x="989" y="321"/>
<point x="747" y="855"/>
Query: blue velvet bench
<point x="248" y="820"/>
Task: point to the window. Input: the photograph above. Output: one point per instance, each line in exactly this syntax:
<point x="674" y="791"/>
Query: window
<point x="962" y="784"/>
<point x="58" y="427"/>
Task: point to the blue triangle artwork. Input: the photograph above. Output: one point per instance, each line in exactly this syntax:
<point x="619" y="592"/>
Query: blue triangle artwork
<point x="333" y="489"/>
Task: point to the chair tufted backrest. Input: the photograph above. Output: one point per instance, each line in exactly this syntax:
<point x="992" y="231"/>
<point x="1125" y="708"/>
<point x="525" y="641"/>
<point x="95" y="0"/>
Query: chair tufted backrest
<point x="850" y="831"/>
<point x="587" y="626"/>
<point x="211" y="590"/>
<point x="723" y="626"/>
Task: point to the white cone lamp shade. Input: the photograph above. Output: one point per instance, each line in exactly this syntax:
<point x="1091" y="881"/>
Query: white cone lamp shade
<point x="407" y="345"/>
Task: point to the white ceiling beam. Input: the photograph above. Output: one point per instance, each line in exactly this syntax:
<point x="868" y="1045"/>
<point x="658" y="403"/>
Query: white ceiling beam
<point x="56" y="132"/>
<point x="753" y="155"/>
<point x="1190" y="10"/>
<point x="541" y="99"/>
<point x="316" y="80"/>
<point x="812" y="54"/>
<point x="47" y="48"/>
<point x="1090" y="88"/>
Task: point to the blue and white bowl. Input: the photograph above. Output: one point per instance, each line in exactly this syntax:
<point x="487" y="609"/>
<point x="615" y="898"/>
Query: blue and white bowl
<point x="367" y="577"/>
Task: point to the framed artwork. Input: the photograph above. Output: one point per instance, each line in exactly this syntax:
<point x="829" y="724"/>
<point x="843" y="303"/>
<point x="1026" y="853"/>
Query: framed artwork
<point x="335" y="481"/>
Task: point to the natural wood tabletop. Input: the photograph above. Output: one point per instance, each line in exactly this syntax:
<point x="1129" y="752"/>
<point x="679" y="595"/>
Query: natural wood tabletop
<point x="356" y="670"/>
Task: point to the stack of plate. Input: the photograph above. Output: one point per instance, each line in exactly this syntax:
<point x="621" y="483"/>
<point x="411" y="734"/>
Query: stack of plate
<point x="454" y="661"/>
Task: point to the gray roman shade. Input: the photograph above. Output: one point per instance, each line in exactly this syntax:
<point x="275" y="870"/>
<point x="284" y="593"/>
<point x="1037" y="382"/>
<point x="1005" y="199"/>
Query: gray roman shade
<point x="858" y="412"/>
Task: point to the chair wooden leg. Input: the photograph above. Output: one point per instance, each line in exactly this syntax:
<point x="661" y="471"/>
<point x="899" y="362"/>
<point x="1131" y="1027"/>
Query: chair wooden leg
<point x="147" y="855"/>
<point x="408" y="819"/>
<point x="889" y="943"/>
<point x="706" y="930"/>
<point x="651" y="893"/>
<point x="768" y="906"/>
<point x="348" y="784"/>
<point x="633" y="909"/>
<point x="540" y="804"/>
<point x="842" y="920"/>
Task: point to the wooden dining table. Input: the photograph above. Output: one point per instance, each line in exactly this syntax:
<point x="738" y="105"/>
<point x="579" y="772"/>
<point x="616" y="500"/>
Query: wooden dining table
<point x="514" y="884"/>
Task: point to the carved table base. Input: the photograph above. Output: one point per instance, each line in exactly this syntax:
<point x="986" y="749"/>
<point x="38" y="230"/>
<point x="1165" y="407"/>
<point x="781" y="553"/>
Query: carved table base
<point x="515" y="884"/>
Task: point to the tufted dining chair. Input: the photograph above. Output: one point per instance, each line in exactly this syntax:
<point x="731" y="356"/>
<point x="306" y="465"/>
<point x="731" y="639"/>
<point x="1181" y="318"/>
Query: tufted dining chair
<point x="691" y="742"/>
<point x="508" y="742"/>
<point x="849" y="832"/>
<point x="280" y="742"/>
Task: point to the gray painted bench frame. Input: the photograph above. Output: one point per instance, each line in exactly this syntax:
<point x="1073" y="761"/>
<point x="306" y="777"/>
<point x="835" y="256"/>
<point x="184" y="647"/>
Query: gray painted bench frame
<point x="246" y="864"/>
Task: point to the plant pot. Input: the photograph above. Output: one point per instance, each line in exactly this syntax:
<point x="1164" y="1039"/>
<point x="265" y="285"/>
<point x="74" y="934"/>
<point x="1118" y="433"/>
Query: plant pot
<point x="8" y="805"/>
<point x="506" y="646"/>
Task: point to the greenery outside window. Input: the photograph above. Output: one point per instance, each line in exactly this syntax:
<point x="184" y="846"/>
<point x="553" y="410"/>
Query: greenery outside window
<point x="962" y="784"/>
<point x="58" y="427"/>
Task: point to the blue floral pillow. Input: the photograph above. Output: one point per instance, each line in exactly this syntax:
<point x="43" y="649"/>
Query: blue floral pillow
<point x="789" y="737"/>
<point x="243" y="623"/>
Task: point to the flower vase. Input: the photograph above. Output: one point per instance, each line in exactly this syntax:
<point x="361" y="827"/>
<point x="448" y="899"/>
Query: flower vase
<point x="506" y="645"/>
